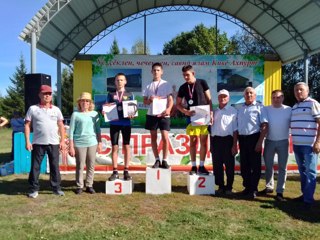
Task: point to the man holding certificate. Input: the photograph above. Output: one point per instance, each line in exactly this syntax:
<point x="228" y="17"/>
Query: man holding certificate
<point x="199" y="112"/>
<point x="158" y="95"/>
<point x="121" y="124"/>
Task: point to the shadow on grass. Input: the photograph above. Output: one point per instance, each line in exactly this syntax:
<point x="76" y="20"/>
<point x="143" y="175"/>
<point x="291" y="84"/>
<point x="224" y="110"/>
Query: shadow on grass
<point x="5" y="157"/>
<point x="20" y="186"/>
<point x="297" y="210"/>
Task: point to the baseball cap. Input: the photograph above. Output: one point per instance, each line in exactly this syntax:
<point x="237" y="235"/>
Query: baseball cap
<point x="45" y="88"/>
<point x="224" y="92"/>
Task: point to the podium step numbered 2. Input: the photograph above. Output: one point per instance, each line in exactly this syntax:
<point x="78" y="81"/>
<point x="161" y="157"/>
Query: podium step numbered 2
<point x="119" y="187"/>
<point x="201" y="184"/>
<point x="158" y="181"/>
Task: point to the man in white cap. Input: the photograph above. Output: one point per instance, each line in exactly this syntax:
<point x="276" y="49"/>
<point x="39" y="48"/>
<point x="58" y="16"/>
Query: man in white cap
<point x="223" y="142"/>
<point x="46" y="121"/>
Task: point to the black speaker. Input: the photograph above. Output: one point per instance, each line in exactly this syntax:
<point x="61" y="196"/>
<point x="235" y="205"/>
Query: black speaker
<point x="32" y="83"/>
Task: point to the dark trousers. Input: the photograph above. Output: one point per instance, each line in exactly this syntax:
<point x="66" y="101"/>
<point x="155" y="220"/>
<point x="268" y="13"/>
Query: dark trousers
<point x="250" y="161"/>
<point x="37" y="155"/>
<point x="222" y="155"/>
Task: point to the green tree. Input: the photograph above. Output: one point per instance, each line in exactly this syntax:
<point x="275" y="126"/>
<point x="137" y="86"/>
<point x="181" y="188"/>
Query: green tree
<point x="114" y="49"/>
<point x="138" y="47"/>
<point x="67" y="92"/>
<point x="246" y="43"/>
<point x="200" y="40"/>
<point x="124" y="51"/>
<point x="14" y="100"/>
<point x="294" y="72"/>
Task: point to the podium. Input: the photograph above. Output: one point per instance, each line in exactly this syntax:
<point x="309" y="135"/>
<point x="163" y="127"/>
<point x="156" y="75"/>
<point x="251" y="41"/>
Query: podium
<point x="158" y="180"/>
<point x="119" y="187"/>
<point x="201" y="184"/>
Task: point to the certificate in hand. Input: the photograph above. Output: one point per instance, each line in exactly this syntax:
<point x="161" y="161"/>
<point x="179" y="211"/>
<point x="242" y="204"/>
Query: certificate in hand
<point x="159" y="105"/>
<point x="130" y="108"/>
<point x="202" y="115"/>
<point x="110" y="112"/>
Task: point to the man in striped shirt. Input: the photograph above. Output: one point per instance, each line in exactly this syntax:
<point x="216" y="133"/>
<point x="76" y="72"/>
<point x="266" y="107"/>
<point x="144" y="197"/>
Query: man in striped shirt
<point x="305" y="130"/>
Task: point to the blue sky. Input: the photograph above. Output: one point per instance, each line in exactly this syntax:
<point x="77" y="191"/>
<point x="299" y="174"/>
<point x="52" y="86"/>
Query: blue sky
<point x="17" y="13"/>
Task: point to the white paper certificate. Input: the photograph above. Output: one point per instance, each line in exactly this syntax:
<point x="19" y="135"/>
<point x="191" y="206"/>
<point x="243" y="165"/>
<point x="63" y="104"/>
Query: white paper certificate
<point x="159" y="105"/>
<point x="130" y="108"/>
<point x="110" y="112"/>
<point x="202" y="116"/>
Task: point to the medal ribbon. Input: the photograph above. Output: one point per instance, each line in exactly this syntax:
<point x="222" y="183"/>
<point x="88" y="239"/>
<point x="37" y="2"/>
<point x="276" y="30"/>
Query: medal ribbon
<point x="119" y="97"/>
<point x="191" y="91"/>
<point x="156" y="88"/>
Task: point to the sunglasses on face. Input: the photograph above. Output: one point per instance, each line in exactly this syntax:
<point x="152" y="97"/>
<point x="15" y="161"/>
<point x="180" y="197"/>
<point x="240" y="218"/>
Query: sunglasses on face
<point x="47" y="93"/>
<point x="84" y="100"/>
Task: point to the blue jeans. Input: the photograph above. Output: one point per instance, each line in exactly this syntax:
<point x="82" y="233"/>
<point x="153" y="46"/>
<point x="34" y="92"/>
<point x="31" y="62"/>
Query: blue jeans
<point x="281" y="149"/>
<point x="307" y="162"/>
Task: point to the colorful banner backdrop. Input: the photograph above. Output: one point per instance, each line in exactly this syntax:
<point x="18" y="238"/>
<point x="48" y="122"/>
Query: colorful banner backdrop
<point x="231" y="72"/>
<point x="142" y="156"/>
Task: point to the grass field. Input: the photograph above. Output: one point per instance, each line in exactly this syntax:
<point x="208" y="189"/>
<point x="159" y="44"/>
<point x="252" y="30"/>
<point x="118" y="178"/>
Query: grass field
<point x="141" y="216"/>
<point x="5" y="145"/>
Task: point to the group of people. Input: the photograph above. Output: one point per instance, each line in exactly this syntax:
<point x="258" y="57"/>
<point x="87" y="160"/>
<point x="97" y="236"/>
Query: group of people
<point x="250" y="125"/>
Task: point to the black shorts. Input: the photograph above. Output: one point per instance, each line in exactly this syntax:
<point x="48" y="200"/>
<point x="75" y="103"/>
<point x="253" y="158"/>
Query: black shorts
<point x="153" y="123"/>
<point x="115" y="132"/>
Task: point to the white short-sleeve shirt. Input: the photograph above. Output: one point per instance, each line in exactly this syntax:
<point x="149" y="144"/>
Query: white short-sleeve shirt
<point x="157" y="88"/>
<point x="44" y="122"/>
<point x="250" y="118"/>
<point x="279" y="122"/>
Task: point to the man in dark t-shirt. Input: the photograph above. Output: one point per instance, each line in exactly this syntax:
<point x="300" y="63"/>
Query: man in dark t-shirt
<point x="195" y="92"/>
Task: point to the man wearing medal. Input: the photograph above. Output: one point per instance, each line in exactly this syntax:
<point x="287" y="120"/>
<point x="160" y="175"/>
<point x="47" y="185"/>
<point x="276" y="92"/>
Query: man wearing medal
<point x="195" y="92"/>
<point x="158" y="89"/>
<point x="122" y="125"/>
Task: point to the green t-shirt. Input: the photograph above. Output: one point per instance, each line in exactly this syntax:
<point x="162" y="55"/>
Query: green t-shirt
<point x="84" y="128"/>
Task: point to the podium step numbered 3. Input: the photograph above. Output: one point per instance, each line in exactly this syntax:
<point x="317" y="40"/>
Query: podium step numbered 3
<point x="119" y="187"/>
<point x="201" y="184"/>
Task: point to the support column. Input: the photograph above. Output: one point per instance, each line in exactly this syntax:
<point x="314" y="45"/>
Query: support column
<point x="306" y="66"/>
<point x="33" y="51"/>
<point x="59" y="80"/>
<point x="216" y="34"/>
<point x="145" y="35"/>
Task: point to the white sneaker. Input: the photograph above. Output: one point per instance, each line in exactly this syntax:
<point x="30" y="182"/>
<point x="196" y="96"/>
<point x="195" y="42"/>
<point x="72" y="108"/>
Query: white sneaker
<point x="33" y="194"/>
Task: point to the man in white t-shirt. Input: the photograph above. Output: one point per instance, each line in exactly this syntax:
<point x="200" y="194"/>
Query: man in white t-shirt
<point x="157" y="91"/>
<point x="276" y="142"/>
<point x="46" y="120"/>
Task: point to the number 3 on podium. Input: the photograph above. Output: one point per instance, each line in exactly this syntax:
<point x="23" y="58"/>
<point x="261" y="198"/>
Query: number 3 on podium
<point x="118" y="187"/>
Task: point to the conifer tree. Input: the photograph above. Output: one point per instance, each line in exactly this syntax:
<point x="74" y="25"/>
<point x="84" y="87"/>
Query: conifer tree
<point x="14" y="100"/>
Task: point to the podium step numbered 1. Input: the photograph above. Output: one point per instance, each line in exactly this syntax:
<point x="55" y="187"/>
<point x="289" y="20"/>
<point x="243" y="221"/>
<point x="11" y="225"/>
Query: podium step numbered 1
<point x="201" y="184"/>
<point x="119" y="187"/>
<point x="158" y="181"/>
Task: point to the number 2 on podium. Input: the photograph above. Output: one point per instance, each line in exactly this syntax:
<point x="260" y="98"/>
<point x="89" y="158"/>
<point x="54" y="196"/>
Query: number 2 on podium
<point x="202" y="180"/>
<point x="119" y="189"/>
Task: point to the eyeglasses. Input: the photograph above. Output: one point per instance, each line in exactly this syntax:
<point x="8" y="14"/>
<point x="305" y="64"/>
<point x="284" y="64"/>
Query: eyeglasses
<point x="84" y="100"/>
<point x="47" y="93"/>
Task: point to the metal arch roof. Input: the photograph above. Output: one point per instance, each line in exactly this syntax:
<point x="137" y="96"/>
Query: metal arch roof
<point x="64" y="27"/>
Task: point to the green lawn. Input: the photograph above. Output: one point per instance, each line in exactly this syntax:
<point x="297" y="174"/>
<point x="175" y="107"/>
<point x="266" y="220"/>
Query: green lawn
<point x="140" y="216"/>
<point x="5" y="145"/>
